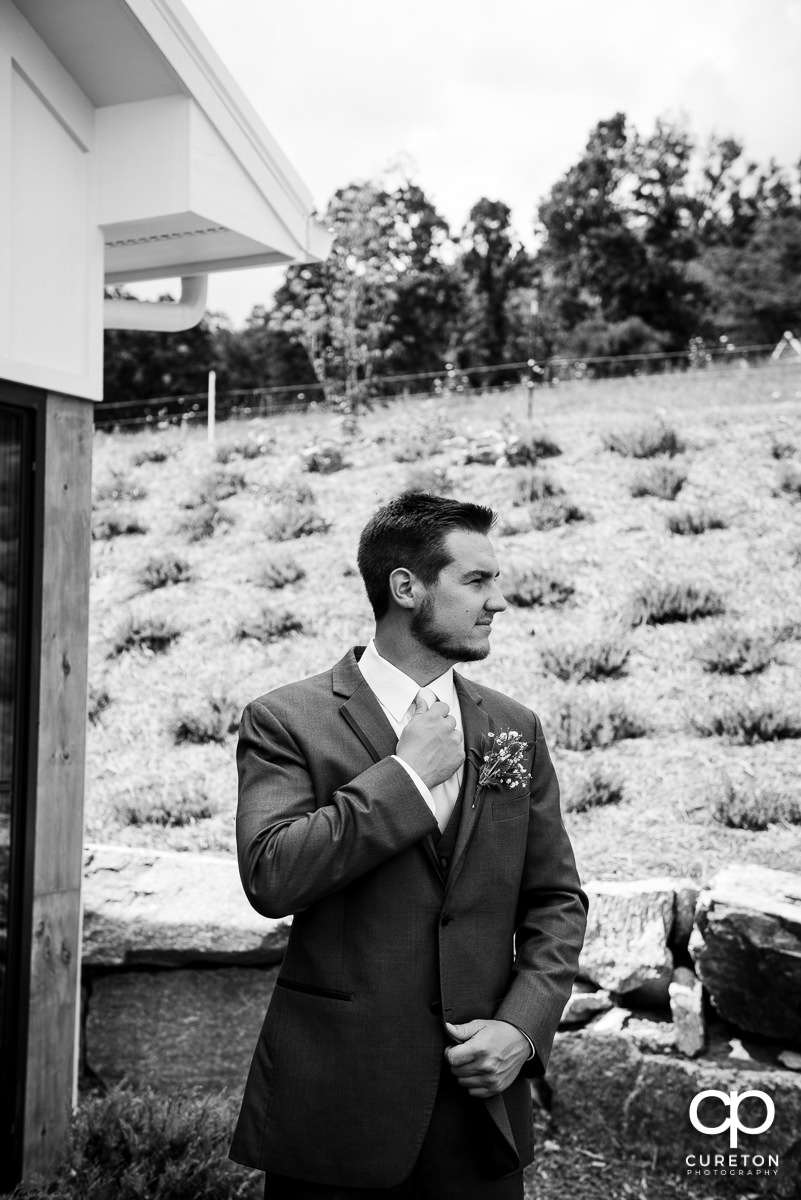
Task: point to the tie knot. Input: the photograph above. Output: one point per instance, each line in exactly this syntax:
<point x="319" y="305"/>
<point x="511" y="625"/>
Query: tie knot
<point x="427" y="696"/>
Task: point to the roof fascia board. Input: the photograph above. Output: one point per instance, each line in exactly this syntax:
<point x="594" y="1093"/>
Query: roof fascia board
<point x="193" y="59"/>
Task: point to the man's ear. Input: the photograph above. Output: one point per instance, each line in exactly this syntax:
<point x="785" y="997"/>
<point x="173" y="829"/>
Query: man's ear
<point x="404" y="587"/>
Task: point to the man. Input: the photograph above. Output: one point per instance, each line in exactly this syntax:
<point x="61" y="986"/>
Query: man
<point x="437" y="923"/>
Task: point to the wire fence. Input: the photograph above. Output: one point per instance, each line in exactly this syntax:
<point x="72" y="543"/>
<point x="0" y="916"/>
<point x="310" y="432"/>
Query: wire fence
<point x="699" y="361"/>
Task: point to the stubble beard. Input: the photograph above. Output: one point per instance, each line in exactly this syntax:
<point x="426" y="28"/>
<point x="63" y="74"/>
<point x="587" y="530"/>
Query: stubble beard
<point x="439" y="640"/>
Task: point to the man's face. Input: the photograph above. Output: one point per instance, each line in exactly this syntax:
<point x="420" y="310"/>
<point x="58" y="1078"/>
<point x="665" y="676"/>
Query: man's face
<point x="456" y="613"/>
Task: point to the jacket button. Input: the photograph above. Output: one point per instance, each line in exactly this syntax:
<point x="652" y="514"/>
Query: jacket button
<point x="445" y="919"/>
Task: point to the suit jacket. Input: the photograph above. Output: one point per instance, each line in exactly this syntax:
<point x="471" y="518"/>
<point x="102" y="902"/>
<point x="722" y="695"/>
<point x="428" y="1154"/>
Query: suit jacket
<point x="382" y="948"/>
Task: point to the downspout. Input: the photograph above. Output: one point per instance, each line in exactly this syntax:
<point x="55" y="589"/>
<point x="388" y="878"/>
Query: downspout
<point x="162" y="316"/>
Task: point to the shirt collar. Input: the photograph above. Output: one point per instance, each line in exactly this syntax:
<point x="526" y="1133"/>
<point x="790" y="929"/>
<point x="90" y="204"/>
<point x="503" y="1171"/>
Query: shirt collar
<point x="397" y="690"/>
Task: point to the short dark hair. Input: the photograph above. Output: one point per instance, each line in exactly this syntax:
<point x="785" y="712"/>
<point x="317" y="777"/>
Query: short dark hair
<point x="410" y="532"/>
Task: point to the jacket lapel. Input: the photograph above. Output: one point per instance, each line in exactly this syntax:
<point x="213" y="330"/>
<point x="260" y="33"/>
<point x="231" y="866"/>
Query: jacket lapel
<point x="366" y="718"/>
<point x="475" y="724"/>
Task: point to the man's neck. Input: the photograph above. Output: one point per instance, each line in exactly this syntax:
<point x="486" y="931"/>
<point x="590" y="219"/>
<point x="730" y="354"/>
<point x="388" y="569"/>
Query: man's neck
<point x="408" y="655"/>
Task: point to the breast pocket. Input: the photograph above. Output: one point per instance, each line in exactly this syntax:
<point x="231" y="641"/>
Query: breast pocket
<point x="509" y="806"/>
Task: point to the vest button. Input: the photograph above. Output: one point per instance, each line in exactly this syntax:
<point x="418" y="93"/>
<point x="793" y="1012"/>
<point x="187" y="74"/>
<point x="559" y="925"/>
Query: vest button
<point x="443" y="862"/>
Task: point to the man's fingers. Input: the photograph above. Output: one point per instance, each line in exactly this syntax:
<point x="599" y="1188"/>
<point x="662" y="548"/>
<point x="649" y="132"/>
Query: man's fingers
<point x="420" y="706"/>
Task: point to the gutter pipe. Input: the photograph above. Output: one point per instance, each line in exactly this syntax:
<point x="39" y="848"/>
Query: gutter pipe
<point x="162" y="316"/>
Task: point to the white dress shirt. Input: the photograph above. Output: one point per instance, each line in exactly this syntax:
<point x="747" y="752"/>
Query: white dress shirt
<point x="396" y="692"/>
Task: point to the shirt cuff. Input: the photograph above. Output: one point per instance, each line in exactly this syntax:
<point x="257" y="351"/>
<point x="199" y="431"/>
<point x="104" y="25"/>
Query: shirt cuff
<point x="533" y="1053"/>
<point x="421" y="787"/>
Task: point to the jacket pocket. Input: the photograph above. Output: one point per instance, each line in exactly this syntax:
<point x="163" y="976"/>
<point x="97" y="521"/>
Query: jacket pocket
<point x="311" y="989"/>
<point x="506" y="807"/>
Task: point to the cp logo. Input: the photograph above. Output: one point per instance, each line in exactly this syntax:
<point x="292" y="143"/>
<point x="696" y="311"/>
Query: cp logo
<point x="732" y="1101"/>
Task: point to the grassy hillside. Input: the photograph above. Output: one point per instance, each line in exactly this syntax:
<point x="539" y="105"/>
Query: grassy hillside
<point x="674" y="732"/>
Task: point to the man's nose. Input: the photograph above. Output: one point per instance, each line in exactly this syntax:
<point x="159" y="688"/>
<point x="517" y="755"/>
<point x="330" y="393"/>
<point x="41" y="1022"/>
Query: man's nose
<point x="496" y="602"/>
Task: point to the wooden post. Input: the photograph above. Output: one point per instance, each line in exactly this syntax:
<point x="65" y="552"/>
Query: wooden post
<point x="59" y="703"/>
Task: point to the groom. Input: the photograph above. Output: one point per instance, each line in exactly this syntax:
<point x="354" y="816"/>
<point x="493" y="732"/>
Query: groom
<point x="437" y="923"/>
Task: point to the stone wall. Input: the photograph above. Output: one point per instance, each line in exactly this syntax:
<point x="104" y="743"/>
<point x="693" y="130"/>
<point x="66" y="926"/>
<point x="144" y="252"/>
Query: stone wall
<point x="680" y="990"/>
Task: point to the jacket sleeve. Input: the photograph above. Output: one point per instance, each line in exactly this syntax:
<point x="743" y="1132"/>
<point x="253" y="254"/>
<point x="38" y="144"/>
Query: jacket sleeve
<point x="292" y="849"/>
<point x="551" y="918"/>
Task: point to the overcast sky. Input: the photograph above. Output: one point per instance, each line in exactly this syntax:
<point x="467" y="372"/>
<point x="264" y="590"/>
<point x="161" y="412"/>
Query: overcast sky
<point x="495" y="97"/>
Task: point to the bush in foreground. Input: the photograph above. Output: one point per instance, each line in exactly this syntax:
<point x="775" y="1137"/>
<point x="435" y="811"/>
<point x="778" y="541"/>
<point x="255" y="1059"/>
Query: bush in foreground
<point x="647" y="441"/>
<point x="294" y="514"/>
<point x="595" y="789"/>
<point x="754" y="807"/>
<point x="204" y="521"/>
<point x="587" y="722"/>
<point x="163" y="569"/>
<point x="324" y="458"/>
<point x="736" y="652"/>
<point x="660" y="480"/>
<point x="789" y="482"/>
<point x="690" y="523"/>
<point x="153" y="634"/>
<point x="171" y="804"/>
<point x="746" y="722"/>
<point x="603" y="658"/>
<point x="132" y="1145"/>
<point x="528" y="447"/>
<point x="280" y="571"/>
<point x="269" y="625"/>
<point x="524" y="587"/>
<point x="116" y="524"/>
<point x="207" y="718"/>
<point x="661" y="603"/>
<point x="426" y="478"/>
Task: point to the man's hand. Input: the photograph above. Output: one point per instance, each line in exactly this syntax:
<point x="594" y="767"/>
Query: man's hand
<point x="489" y="1056"/>
<point x="431" y="743"/>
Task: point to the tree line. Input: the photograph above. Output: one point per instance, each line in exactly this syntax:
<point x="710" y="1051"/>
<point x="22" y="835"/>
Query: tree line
<point x="644" y="244"/>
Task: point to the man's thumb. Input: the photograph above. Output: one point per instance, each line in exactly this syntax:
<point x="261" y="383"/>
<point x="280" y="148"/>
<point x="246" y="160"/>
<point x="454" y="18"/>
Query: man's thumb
<point x="420" y="706"/>
<point x="463" y="1033"/>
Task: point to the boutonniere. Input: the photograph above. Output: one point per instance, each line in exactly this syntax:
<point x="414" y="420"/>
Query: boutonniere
<point x="501" y="760"/>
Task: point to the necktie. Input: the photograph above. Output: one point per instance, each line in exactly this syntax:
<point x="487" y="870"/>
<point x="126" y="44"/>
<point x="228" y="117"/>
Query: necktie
<point x="444" y="794"/>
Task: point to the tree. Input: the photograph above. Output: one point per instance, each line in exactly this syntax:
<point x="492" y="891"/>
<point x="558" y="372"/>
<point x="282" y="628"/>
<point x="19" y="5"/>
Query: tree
<point x="383" y="300"/>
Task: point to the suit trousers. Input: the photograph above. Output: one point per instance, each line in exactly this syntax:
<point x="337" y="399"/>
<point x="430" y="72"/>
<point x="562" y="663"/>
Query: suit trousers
<point x="448" y="1167"/>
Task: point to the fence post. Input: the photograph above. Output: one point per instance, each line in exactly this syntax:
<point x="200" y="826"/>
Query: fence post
<point x="212" y="405"/>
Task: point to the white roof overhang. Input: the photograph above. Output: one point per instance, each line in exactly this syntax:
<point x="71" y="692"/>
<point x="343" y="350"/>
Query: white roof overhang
<point x="189" y="179"/>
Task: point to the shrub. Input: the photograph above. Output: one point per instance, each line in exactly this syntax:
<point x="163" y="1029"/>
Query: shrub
<point x="746" y="722"/>
<point x="162" y="569"/>
<point x="660" y="603"/>
<point x="536" y="485"/>
<point x="129" y="1144"/>
<point x="528" y="447"/>
<point x="646" y="442"/>
<point x="324" y="458"/>
<point x="215" y="486"/>
<point x="205" y="718"/>
<point x="280" y="571"/>
<point x="154" y="454"/>
<point x="116" y="524"/>
<point x="270" y="625"/>
<point x="153" y="634"/>
<point x="248" y="448"/>
<point x="525" y="587"/>
<point x="689" y="523"/>
<point x="780" y="450"/>
<point x="118" y="489"/>
<point x="586" y="722"/>
<point x="754" y="807"/>
<point x="660" y="480"/>
<point x="789" y="483"/>
<point x="294" y="517"/>
<point x="204" y="521"/>
<point x="595" y="789"/>
<point x="98" y="702"/>
<point x="550" y="514"/>
<point x="736" y="652"/>
<point x="434" y="480"/>
<point x="604" y="658"/>
<point x="172" y="804"/>
<point x="421" y="438"/>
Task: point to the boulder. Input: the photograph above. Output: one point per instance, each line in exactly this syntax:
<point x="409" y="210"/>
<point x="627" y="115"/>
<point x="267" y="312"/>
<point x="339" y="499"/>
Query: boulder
<point x="687" y="1010"/>
<point x="175" y="1030"/>
<point x="747" y="949"/>
<point x="581" y="1007"/>
<point x="167" y="908"/>
<point x="626" y="947"/>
